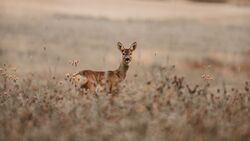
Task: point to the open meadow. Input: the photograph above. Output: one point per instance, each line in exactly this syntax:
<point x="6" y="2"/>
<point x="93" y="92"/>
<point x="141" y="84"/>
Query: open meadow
<point x="189" y="78"/>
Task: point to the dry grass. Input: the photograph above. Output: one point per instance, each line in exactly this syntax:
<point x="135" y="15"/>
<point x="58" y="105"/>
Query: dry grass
<point x="242" y="66"/>
<point x="217" y="1"/>
<point x="241" y="2"/>
<point x="195" y="101"/>
<point x="165" y="107"/>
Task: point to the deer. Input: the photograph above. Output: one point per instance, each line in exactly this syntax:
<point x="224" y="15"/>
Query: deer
<point x="89" y="79"/>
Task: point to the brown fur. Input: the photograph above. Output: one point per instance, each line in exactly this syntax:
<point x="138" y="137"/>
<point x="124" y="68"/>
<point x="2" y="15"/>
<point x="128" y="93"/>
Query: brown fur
<point x="108" y="79"/>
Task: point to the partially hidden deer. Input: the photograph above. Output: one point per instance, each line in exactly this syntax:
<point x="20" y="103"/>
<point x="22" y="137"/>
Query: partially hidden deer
<point x="89" y="79"/>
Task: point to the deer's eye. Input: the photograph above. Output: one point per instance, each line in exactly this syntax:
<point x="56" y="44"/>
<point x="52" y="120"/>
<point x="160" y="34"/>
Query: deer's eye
<point x="123" y="53"/>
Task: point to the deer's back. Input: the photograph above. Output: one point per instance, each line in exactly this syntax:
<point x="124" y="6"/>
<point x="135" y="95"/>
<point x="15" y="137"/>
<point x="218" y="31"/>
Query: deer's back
<point x="98" y="76"/>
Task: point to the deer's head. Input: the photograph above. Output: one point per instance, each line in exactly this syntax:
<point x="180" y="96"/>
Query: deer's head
<point x="126" y="53"/>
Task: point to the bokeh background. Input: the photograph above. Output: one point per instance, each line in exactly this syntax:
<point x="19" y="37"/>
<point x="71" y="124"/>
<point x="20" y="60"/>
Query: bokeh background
<point x="193" y="35"/>
<point x="188" y="79"/>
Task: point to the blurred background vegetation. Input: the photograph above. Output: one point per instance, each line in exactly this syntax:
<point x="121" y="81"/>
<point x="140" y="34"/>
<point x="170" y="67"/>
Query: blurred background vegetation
<point x="188" y="80"/>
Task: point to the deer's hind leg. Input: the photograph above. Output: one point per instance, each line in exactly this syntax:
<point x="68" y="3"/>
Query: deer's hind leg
<point x="89" y="87"/>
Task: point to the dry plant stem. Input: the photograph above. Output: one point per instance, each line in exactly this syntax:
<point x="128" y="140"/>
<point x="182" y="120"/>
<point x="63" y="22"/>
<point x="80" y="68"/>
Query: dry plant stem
<point x="5" y="83"/>
<point x="165" y="114"/>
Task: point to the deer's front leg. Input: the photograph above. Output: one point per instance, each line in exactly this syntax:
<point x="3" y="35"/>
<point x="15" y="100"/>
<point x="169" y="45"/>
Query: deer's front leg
<point x="110" y="87"/>
<point x="113" y="87"/>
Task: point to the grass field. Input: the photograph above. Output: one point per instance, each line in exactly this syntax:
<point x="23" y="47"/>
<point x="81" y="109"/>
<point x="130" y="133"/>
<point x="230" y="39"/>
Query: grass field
<point x="188" y="80"/>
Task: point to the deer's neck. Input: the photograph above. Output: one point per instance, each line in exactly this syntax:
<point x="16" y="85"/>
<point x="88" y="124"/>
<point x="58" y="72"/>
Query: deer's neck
<point x="122" y="70"/>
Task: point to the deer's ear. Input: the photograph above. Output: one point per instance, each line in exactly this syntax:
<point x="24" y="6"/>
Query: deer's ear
<point x="120" y="46"/>
<point x="133" y="46"/>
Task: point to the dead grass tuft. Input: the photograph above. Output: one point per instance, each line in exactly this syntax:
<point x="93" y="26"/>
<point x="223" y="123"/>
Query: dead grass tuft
<point x="159" y="108"/>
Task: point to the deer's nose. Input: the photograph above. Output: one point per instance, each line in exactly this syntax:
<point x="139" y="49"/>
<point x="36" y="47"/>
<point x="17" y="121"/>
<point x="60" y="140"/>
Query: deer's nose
<point x="127" y="59"/>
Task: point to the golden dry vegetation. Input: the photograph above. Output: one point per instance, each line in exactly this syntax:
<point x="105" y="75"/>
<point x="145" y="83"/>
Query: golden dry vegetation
<point x="188" y="80"/>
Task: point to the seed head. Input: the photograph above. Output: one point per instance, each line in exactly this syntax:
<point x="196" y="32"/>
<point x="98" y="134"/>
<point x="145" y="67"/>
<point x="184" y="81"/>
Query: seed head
<point x="67" y="75"/>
